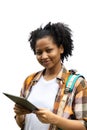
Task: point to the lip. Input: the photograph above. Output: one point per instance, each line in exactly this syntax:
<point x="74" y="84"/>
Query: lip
<point x="45" y="63"/>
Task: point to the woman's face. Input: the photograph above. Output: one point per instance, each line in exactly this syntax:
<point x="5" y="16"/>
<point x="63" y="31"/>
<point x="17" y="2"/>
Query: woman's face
<point x="48" y="53"/>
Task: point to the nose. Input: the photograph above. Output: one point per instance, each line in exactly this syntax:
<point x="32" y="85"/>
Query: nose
<point x="44" y="55"/>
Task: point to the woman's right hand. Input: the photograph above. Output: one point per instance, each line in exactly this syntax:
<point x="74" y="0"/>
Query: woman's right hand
<point x="20" y="114"/>
<point x="19" y="110"/>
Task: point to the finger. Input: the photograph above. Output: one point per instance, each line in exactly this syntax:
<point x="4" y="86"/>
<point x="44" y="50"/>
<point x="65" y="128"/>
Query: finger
<point x="19" y="106"/>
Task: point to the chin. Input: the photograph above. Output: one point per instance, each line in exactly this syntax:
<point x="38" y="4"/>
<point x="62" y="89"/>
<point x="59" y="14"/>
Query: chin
<point x="49" y="67"/>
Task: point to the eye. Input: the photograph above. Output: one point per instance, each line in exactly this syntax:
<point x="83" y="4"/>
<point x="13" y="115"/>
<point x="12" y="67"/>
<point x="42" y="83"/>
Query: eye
<point x="49" y="50"/>
<point x="38" y="52"/>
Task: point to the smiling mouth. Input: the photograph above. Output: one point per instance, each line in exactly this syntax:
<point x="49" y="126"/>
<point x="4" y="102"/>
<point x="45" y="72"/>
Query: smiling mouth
<point x="45" y="62"/>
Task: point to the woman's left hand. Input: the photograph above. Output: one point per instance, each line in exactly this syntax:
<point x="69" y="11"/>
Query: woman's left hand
<point x="45" y="115"/>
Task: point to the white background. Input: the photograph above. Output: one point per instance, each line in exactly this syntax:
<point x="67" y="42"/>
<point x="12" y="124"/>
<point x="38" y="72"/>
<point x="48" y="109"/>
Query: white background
<point x="17" y="19"/>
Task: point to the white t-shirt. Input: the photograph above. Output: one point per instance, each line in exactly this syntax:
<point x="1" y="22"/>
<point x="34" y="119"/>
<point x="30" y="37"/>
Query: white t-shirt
<point x="43" y="96"/>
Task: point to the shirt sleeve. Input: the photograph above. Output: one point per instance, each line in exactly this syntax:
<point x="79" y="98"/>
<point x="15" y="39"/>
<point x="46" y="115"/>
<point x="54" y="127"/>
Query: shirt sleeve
<point x="80" y="107"/>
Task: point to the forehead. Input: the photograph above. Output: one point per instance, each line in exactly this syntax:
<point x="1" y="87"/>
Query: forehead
<point x="45" y="42"/>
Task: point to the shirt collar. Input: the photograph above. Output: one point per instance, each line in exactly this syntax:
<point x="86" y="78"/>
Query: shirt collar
<point x="62" y="74"/>
<point x="60" y="77"/>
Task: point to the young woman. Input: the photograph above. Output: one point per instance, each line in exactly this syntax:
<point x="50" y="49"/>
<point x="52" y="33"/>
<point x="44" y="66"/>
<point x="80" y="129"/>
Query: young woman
<point x="46" y="89"/>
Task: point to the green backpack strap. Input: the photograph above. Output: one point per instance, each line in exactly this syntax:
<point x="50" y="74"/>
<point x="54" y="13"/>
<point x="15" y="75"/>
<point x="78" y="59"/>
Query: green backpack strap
<point x="69" y="88"/>
<point x="71" y="81"/>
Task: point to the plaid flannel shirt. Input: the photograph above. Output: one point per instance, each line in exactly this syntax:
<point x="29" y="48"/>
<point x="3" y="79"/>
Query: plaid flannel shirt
<point x="76" y="105"/>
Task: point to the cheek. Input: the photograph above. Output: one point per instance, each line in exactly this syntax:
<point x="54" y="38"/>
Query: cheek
<point x="56" y="57"/>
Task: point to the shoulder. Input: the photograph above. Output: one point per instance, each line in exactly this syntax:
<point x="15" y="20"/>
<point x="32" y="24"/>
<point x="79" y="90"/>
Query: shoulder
<point x="28" y="83"/>
<point x="33" y="77"/>
<point x="30" y="77"/>
<point x="80" y="83"/>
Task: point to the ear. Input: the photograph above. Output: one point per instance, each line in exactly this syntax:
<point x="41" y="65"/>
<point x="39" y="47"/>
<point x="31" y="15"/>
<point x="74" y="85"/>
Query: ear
<point x="61" y="49"/>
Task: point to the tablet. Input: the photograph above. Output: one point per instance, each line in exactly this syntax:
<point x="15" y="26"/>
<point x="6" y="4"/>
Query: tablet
<point x="22" y="102"/>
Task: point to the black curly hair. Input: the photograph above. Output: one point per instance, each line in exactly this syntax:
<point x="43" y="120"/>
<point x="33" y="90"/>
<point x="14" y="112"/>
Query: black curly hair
<point x="60" y="33"/>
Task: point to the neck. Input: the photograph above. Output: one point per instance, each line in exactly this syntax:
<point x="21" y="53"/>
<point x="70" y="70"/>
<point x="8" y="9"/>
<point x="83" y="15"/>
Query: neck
<point x="52" y="72"/>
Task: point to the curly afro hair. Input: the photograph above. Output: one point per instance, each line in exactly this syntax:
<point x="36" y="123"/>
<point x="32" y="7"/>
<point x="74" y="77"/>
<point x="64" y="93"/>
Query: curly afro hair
<point x="60" y="33"/>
